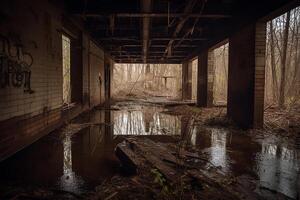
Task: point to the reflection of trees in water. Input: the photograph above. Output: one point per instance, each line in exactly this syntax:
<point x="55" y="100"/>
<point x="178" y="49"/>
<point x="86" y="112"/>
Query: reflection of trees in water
<point x="278" y="168"/>
<point x="218" y="149"/>
<point x="165" y="124"/>
<point x="135" y="123"/>
<point x="220" y="74"/>
<point x="66" y="69"/>
<point x="69" y="181"/>
<point x="218" y="155"/>
<point x="194" y="78"/>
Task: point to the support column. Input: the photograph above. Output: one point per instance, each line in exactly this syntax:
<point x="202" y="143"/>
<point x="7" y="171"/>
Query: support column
<point x="259" y="79"/>
<point x="108" y="71"/>
<point x="187" y="80"/>
<point x="206" y="71"/>
<point x="246" y="75"/>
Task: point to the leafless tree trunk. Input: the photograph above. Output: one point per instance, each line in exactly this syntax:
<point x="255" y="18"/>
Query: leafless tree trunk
<point x="283" y="60"/>
<point x="273" y="65"/>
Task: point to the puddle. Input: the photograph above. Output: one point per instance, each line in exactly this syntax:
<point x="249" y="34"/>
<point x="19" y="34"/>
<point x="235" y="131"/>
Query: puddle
<point x="81" y="156"/>
<point x="77" y="161"/>
<point x="141" y="122"/>
<point x="274" y="164"/>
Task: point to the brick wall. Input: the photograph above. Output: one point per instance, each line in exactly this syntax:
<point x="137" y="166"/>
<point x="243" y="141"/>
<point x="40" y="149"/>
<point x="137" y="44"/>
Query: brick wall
<point x="259" y="79"/>
<point x="41" y="39"/>
<point x="210" y="78"/>
<point x="25" y="117"/>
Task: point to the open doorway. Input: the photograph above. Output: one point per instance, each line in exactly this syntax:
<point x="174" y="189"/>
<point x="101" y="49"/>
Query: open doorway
<point x="72" y="69"/>
<point x="147" y="81"/>
<point x="66" y="70"/>
<point x="194" y="78"/>
<point x="220" y="76"/>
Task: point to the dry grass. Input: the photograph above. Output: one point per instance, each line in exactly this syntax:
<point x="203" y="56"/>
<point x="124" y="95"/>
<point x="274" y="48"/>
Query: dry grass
<point x="285" y="122"/>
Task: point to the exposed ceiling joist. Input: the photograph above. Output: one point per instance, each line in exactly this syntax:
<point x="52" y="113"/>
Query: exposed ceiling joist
<point x="154" y="39"/>
<point x="146" y="8"/>
<point x="180" y="27"/>
<point x="188" y="8"/>
<point x="159" y="15"/>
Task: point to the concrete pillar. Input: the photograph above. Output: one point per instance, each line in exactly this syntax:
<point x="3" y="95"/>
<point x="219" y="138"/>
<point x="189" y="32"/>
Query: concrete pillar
<point x="246" y="75"/>
<point x="108" y="73"/>
<point x="206" y="71"/>
<point x="187" y="80"/>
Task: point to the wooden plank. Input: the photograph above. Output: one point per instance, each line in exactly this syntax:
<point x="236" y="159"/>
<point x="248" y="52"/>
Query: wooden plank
<point x="157" y="149"/>
<point x="128" y="158"/>
<point x="134" y="152"/>
<point x="155" y="154"/>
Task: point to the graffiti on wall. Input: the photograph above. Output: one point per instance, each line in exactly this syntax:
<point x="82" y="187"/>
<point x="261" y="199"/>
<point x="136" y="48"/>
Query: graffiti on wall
<point x="15" y="66"/>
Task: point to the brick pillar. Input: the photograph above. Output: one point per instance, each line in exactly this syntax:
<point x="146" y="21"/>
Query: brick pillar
<point x="205" y="79"/>
<point x="247" y="75"/>
<point x="259" y="78"/>
<point x="210" y="78"/>
<point x="187" y="80"/>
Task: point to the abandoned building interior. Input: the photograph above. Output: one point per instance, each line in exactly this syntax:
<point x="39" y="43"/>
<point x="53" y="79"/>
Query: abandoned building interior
<point x="150" y="99"/>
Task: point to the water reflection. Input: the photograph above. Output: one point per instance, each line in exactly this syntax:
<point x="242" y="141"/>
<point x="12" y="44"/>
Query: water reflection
<point x="194" y="132"/>
<point x="87" y="157"/>
<point x="278" y="169"/>
<point x="218" y="155"/>
<point x="140" y="123"/>
<point x="276" y="166"/>
<point x="69" y="181"/>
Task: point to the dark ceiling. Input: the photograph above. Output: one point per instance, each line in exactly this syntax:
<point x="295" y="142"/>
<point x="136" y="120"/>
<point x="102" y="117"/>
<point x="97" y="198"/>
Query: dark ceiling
<point x="165" y="31"/>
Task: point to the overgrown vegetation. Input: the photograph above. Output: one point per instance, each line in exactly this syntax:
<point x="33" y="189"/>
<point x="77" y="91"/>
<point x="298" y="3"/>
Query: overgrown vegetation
<point x="283" y="60"/>
<point x="142" y="81"/>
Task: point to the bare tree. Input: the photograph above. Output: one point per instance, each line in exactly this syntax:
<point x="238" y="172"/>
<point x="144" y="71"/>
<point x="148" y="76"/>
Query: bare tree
<point x="283" y="60"/>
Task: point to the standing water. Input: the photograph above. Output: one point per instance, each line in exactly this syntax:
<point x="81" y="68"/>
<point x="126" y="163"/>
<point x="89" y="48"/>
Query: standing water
<point x="80" y="156"/>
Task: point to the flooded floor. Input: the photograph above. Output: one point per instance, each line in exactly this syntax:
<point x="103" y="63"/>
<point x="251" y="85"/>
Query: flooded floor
<point x="80" y="156"/>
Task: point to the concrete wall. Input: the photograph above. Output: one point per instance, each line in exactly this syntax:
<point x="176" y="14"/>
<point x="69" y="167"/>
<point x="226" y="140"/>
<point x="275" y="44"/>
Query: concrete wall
<point x="241" y="76"/>
<point x="108" y="74"/>
<point x="96" y="65"/>
<point x="36" y="27"/>
<point x="206" y="70"/>
<point x="187" y="80"/>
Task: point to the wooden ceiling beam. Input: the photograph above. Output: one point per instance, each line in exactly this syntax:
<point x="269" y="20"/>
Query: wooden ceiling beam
<point x="153" y="46"/>
<point x="150" y="52"/>
<point x="153" y="39"/>
<point x="158" y="15"/>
